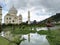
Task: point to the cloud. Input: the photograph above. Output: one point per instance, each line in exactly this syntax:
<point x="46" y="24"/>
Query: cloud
<point x="38" y="8"/>
<point x="51" y="5"/>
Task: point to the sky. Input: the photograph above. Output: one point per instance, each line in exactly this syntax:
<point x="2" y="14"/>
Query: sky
<point x="39" y="9"/>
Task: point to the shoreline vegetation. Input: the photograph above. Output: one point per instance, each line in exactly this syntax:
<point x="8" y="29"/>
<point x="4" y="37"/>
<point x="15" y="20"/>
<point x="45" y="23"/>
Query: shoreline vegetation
<point x="53" y="37"/>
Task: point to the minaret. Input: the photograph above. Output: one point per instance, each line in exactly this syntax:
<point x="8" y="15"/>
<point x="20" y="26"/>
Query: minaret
<point x="0" y="15"/>
<point x="28" y="17"/>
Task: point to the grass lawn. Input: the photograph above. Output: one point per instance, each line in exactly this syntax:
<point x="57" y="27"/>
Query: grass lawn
<point x="53" y="37"/>
<point x="3" y="41"/>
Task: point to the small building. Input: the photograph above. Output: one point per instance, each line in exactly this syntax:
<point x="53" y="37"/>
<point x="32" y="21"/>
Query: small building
<point x="12" y="18"/>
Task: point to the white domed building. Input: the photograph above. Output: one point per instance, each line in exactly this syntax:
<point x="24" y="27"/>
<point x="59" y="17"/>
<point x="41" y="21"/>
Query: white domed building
<point x="12" y="18"/>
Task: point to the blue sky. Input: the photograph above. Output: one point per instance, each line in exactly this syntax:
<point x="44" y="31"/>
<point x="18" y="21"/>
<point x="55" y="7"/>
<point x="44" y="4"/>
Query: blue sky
<point x="40" y="9"/>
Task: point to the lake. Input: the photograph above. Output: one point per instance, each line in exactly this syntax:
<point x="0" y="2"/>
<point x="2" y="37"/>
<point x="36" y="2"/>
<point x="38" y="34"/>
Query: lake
<point x="34" y="39"/>
<point x="45" y="28"/>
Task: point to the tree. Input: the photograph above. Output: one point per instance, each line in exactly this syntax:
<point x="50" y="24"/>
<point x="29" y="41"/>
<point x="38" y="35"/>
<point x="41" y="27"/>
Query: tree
<point x="0" y="28"/>
<point x="34" y="22"/>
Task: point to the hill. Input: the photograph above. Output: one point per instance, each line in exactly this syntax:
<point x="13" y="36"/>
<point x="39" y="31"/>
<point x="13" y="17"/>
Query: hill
<point x="55" y="19"/>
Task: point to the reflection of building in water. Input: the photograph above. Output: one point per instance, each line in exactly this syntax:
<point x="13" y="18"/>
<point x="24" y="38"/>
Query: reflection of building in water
<point x="28" y="17"/>
<point x="0" y="14"/>
<point x="29" y="37"/>
<point x="12" y="18"/>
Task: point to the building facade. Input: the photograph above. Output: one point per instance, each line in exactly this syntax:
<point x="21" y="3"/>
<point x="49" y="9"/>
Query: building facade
<point x="0" y="15"/>
<point x="12" y="18"/>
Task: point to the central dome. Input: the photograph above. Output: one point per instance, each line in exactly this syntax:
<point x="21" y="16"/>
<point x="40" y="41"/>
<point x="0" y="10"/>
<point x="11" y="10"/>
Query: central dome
<point x="13" y="10"/>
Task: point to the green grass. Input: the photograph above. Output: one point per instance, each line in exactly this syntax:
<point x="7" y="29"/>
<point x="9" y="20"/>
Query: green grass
<point x="42" y="32"/>
<point x="19" y="29"/>
<point x="15" y="41"/>
<point x="3" y="41"/>
<point x="23" y="31"/>
<point x="53" y="37"/>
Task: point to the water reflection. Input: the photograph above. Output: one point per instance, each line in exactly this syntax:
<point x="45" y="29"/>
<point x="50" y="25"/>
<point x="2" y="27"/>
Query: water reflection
<point x="29" y="37"/>
<point x="45" y="28"/>
<point x="2" y="33"/>
<point x="34" y="39"/>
